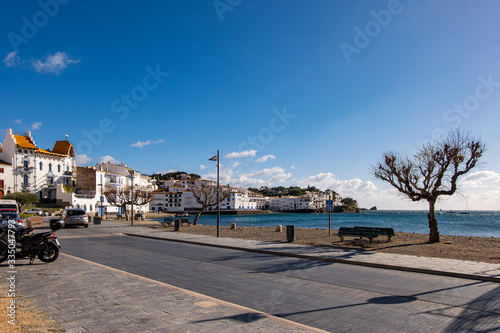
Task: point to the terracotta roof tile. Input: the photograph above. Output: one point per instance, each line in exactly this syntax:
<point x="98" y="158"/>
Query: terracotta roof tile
<point x="24" y="142"/>
<point x="64" y="147"/>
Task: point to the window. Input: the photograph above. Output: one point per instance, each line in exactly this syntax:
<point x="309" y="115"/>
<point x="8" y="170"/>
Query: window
<point x="50" y="180"/>
<point x="41" y="166"/>
<point x="59" y="168"/>
<point x="1" y="170"/>
<point x="26" y="163"/>
<point x="50" y="166"/>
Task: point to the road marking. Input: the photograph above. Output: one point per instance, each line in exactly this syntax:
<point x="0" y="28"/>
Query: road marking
<point x="205" y="297"/>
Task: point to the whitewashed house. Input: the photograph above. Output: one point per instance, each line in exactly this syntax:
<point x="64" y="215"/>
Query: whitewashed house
<point x="36" y="170"/>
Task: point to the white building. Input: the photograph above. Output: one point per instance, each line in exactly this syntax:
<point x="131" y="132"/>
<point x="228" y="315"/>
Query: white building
<point x="53" y="176"/>
<point x="312" y="201"/>
<point x="6" y="179"/>
<point x="237" y="198"/>
<point x="92" y="182"/>
<point x="32" y="169"/>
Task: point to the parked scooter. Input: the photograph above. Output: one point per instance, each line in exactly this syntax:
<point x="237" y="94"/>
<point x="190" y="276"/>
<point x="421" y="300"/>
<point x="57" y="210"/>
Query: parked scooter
<point x="43" y="245"/>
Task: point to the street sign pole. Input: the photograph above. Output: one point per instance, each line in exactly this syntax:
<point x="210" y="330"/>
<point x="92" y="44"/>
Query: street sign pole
<point x="329" y="209"/>
<point x="329" y="223"/>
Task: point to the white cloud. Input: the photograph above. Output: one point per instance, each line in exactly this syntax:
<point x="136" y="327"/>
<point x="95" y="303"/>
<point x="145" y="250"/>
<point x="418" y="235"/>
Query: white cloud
<point x="256" y="178"/>
<point x="246" y="153"/>
<point x="351" y="187"/>
<point x="481" y="179"/>
<point x="18" y="121"/>
<point x="12" y="59"/>
<point x="236" y="164"/>
<point x="267" y="172"/>
<point x="265" y="158"/>
<point x="36" y="125"/>
<point x="53" y="63"/>
<point x="141" y="144"/>
<point x="203" y="167"/>
<point x="164" y="172"/>
<point x="82" y="160"/>
<point x="108" y="158"/>
<point x="292" y="167"/>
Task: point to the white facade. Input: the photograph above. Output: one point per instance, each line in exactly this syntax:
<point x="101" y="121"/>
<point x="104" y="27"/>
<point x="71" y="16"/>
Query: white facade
<point x="310" y="201"/>
<point x="107" y="175"/>
<point x="6" y="179"/>
<point x="237" y="199"/>
<point x="36" y="170"/>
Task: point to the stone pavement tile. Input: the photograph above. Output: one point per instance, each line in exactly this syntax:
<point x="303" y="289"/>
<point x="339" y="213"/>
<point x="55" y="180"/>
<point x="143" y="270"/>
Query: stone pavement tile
<point x="78" y="329"/>
<point x="124" y="303"/>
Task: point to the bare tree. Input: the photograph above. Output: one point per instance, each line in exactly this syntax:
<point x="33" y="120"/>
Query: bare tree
<point x="122" y="197"/>
<point x="206" y="196"/>
<point x="433" y="171"/>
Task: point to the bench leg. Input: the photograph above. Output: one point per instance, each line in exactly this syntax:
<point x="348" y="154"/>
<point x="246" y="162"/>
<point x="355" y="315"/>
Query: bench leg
<point x="371" y="240"/>
<point x="389" y="238"/>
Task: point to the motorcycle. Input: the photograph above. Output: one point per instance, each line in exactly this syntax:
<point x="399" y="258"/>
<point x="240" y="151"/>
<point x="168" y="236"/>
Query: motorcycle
<point x="43" y="245"/>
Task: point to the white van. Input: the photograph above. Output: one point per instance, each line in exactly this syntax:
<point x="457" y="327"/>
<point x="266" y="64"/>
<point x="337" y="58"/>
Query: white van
<point x="9" y="205"/>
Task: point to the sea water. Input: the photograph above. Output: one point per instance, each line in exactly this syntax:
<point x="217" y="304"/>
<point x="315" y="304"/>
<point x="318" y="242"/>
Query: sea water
<point x="476" y="223"/>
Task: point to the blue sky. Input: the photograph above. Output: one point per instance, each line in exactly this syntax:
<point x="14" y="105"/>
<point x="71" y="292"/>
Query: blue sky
<point x="290" y="92"/>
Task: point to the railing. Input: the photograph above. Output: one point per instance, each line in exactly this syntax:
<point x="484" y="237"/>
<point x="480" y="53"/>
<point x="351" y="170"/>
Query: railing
<point x="85" y="194"/>
<point x="23" y="169"/>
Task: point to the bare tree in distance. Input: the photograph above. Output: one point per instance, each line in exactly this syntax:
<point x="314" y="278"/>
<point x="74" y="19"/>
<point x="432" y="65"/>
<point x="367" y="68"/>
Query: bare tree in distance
<point x="206" y="196"/>
<point x="433" y="171"/>
<point x="122" y="197"/>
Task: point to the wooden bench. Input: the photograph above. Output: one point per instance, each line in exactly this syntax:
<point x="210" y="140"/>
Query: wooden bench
<point x="389" y="232"/>
<point x="344" y="231"/>
<point x="167" y="222"/>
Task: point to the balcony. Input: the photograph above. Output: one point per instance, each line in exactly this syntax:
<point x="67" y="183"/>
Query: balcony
<point x="25" y="169"/>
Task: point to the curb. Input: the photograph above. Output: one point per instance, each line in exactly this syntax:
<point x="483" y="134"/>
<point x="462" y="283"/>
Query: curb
<point x="206" y="297"/>
<point x="342" y="261"/>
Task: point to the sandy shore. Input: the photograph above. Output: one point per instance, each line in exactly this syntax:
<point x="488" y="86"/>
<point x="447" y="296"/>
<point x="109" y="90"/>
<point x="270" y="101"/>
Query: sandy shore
<point x="481" y="249"/>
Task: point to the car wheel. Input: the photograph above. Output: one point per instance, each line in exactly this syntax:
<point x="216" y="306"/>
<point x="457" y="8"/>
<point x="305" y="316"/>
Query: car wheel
<point x="85" y="225"/>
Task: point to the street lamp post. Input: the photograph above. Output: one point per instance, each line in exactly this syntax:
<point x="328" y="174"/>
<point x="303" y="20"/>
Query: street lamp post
<point x="216" y="158"/>
<point x="101" y="200"/>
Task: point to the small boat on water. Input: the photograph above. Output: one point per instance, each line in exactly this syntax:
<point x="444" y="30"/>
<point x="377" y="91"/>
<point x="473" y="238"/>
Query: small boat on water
<point x="181" y="214"/>
<point x="451" y="212"/>
<point x="466" y="209"/>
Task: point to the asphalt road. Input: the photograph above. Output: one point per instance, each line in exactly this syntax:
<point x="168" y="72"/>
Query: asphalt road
<point x="330" y="296"/>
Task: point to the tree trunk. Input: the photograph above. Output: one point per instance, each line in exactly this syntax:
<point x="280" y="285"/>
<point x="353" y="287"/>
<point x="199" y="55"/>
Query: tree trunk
<point x="195" y="222"/>
<point x="124" y="209"/>
<point x="433" y="224"/>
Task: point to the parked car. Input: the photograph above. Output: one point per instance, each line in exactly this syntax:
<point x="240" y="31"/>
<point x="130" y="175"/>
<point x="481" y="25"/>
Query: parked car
<point x="75" y="216"/>
<point x="6" y="216"/>
<point x="32" y="211"/>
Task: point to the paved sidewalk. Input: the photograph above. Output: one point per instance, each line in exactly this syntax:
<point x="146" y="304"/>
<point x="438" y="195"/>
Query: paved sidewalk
<point x="87" y="297"/>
